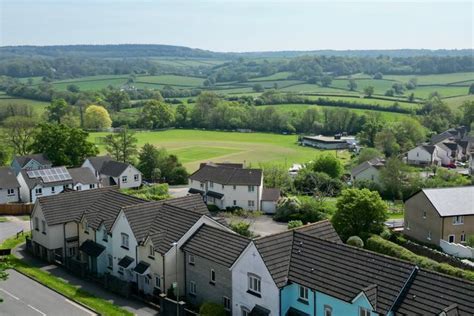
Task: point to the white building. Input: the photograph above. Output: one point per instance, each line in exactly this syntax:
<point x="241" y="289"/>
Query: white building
<point x="83" y="179"/>
<point x="327" y="142"/>
<point x="426" y="155"/>
<point x="224" y="185"/>
<point x="9" y="186"/>
<point x="110" y="172"/>
<point x="368" y="170"/>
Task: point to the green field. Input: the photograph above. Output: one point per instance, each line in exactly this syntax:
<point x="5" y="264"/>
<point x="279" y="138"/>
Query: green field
<point x="276" y="76"/>
<point x="38" y="106"/>
<point x="196" y="146"/>
<point x="434" y="79"/>
<point x="171" y="80"/>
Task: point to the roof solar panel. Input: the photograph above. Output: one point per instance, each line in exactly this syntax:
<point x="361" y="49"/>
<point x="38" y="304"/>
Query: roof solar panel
<point x="51" y="175"/>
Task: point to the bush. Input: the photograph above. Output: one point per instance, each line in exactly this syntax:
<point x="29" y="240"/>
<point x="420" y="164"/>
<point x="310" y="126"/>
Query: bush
<point x="305" y="209"/>
<point x="211" y="309"/>
<point x="355" y="241"/>
<point x="294" y="224"/>
<point x="470" y="241"/>
<point x="241" y="228"/>
<point x="386" y="234"/>
<point x="213" y="208"/>
<point x="155" y="192"/>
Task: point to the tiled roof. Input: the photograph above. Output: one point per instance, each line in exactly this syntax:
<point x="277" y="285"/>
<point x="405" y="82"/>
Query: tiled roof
<point x="269" y="194"/>
<point x="98" y="162"/>
<point x="33" y="182"/>
<point x="40" y="158"/>
<point x="452" y="201"/>
<point x="429" y="148"/>
<point x="82" y="175"/>
<point x="113" y="168"/>
<point x="276" y="249"/>
<point x="217" y="245"/>
<point x="375" y="162"/>
<point x="228" y="175"/>
<point x="8" y="179"/>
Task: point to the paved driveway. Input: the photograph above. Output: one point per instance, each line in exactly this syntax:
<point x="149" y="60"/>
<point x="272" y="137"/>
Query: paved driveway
<point x="12" y="226"/>
<point x="23" y="296"/>
<point x="178" y="190"/>
<point x="262" y="225"/>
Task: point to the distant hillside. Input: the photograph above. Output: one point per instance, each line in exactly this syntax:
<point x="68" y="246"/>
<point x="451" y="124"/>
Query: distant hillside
<point x="145" y="50"/>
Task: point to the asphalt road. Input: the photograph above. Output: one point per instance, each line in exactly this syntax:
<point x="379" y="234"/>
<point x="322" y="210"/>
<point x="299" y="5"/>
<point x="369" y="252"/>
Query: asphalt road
<point x="23" y="296"/>
<point x="12" y="226"/>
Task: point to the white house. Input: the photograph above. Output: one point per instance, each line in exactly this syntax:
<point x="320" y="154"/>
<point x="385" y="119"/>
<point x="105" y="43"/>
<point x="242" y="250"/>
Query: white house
<point x="30" y="162"/>
<point x="9" y="186"/>
<point x="426" y="155"/>
<point x="224" y="185"/>
<point x="368" y="170"/>
<point x="111" y="172"/>
<point x="83" y="179"/>
<point x="43" y="182"/>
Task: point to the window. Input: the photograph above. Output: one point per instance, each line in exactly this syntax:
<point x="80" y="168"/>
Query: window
<point x="78" y="188"/>
<point x="251" y="188"/>
<point x="254" y="284"/>
<point x="429" y="235"/>
<point x="213" y="276"/>
<point x="151" y="251"/>
<point x="251" y="203"/>
<point x="110" y="263"/>
<point x="234" y="187"/>
<point x="147" y="280"/>
<point x="451" y="238"/>
<point x="120" y="270"/>
<point x="327" y="310"/>
<point x="91" y="186"/>
<point x="53" y="189"/>
<point x="463" y="237"/>
<point x="245" y="311"/>
<point x="11" y="192"/>
<point x="124" y="241"/>
<point x="157" y="281"/>
<point x="86" y="227"/>
<point x="226" y="302"/>
<point x="104" y="235"/>
<point x="303" y="294"/>
<point x="43" y="224"/>
<point x="124" y="179"/>
<point x="211" y="184"/>
<point x="71" y="251"/>
<point x="37" y="224"/>
<point x="39" y="191"/>
<point x="424" y="214"/>
<point x="191" y="259"/>
<point x="136" y="177"/>
<point x="202" y="185"/>
<point x="364" y="311"/>
<point x="458" y="220"/>
<point x="192" y="288"/>
<point x="235" y="202"/>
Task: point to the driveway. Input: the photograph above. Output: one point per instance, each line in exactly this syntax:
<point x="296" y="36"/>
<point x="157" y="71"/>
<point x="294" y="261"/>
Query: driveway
<point x="23" y="296"/>
<point x="262" y="225"/>
<point x="12" y="226"/>
<point x="178" y="190"/>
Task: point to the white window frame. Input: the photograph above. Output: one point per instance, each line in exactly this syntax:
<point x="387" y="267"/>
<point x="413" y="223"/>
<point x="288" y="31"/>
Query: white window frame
<point x="251" y="203"/>
<point x="429" y="235"/>
<point x="254" y="283"/>
<point x="463" y="237"/>
<point x="39" y="191"/>
<point x="79" y="188"/>
<point x="105" y="237"/>
<point x="453" y="237"/>
<point x="424" y="214"/>
<point x="92" y="186"/>
<point x="251" y="188"/>
<point x="157" y="281"/>
<point x="43" y="226"/>
<point x="364" y="311"/>
<point x="191" y="259"/>
<point x="37" y="224"/>
<point x="245" y="311"/>
<point x="53" y="189"/>
<point x="136" y="177"/>
<point x="227" y="303"/>
<point x="213" y="276"/>
<point x="458" y="220"/>
<point x="125" y="240"/>
<point x="151" y="251"/>
<point x="192" y="288"/>
<point x="327" y="310"/>
<point x="303" y="293"/>
<point x="235" y="203"/>
<point x="211" y="184"/>
<point x="10" y="192"/>
<point x="124" y="179"/>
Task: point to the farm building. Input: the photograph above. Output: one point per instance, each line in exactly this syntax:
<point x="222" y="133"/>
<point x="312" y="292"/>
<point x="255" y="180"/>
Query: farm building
<point x="329" y="142"/>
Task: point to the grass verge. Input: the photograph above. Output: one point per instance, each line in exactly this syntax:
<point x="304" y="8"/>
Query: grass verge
<point x="100" y="306"/>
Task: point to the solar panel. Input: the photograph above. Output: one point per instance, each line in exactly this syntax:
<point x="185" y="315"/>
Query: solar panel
<point x="50" y="175"/>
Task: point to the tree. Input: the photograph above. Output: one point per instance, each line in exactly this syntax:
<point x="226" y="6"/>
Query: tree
<point x="181" y="116"/>
<point x="328" y="164"/>
<point x="389" y="93"/>
<point x="117" y="100"/>
<point x="155" y="115"/>
<point x="368" y="91"/>
<point x="467" y="109"/>
<point x="386" y="142"/>
<point x="439" y="116"/>
<point x="370" y="128"/>
<point x="318" y="184"/>
<point x="206" y="102"/>
<point x="5" y="154"/>
<point x="257" y="87"/>
<point x="276" y="176"/>
<point x="411" y="97"/>
<point x="326" y="81"/>
<point x="367" y="154"/>
<point x="360" y="212"/>
<point x="149" y="162"/>
<point x="352" y="85"/>
<point x="19" y="131"/>
<point x="471" y="88"/>
<point x="156" y="164"/>
<point x="122" y="146"/>
<point x="355" y="241"/>
<point x="398" y="88"/>
<point x="378" y="76"/>
<point x="73" y="88"/>
<point x="56" y="110"/>
<point x="63" y="145"/>
<point x="393" y="176"/>
<point x="97" y="117"/>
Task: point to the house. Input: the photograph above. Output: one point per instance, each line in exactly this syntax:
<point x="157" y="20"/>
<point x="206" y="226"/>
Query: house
<point x="327" y="278"/>
<point x="43" y="182"/>
<point x="9" y="186"/>
<point x="83" y="179"/>
<point x="326" y="142"/>
<point x="228" y="186"/>
<point x="261" y="270"/>
<point x="427" y="155"/>
<point x="444" y="214"/>
<point x="111" y="172"/>
<point x="209" y="253"/>
<point x="368" y="170"/>
<point x="30" y="162"/>
<point x="471" y="164"/>
<point x="270" y="198"/>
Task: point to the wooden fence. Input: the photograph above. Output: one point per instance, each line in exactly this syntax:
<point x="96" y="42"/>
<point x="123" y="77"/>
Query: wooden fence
<point x="16" y="209"/>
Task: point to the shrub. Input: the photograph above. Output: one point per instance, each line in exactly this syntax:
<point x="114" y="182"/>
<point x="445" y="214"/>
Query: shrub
<point x="355" y="241"/>
<point x="305" y="209"/>
<point x="155" y="192"/>
<point x="211" y="309"/>
<point x="470" y="241"/>
<point x="386" y="234"/>
<point x="294" y="224"/>
<point x="241" y="228"/>
<point x="213" y="208"/>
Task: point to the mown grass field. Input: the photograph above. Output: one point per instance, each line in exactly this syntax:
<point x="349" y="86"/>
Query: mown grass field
<point x="38" y="106"/>
<point x="196" y="146"/>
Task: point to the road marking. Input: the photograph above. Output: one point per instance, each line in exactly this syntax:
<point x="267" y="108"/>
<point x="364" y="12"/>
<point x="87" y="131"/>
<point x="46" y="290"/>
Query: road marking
<point x="35" y="309"/>
<point x="80" y="307"/>
<point x="9" y="294"/>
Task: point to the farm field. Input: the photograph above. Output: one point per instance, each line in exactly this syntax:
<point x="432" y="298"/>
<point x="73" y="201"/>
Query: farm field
<point x="456" y="102"/>
<point x="276" y="76"/>
<point x="92" y="84"/>
<point x="171" y="80"/>
<point x="196" y="146"/>
<point x="434" y="79"/>
<point x="38" y="106"/>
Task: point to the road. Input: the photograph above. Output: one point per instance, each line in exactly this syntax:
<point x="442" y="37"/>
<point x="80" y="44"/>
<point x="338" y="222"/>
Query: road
<point x="23" y="296"/>
<point x="12" y="226"/>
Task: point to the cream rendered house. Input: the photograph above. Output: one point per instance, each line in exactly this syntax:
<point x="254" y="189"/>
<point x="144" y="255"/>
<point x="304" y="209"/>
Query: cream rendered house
<point x="110" y="172"/>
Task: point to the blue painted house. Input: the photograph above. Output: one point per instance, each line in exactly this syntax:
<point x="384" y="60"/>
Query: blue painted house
<point x="30" y="162"/>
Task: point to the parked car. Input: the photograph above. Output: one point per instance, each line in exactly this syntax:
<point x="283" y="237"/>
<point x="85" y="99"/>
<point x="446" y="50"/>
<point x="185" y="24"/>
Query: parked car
<point x="450" y="165"/>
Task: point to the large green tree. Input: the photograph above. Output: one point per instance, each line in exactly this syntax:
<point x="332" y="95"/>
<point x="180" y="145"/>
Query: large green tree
<point x="63" y="145"/>
<point x="372" y="125"/>
<point x="57" y="110"/>
<point x="360" y="212"/>
<point x="117" y="99"/>
<point x="156" y="114"/>
<point x="18" y="133"/>
<point x="393" y="177"/>
<point x="122" y="146"/>
<point x="328" y="164"/>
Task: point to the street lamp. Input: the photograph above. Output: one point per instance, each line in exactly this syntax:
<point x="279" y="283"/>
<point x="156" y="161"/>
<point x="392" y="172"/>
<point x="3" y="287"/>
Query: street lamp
<point x="175" y="244"/>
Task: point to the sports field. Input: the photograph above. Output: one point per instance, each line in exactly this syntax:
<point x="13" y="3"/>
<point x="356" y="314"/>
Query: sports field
<point x="196" y="146"/>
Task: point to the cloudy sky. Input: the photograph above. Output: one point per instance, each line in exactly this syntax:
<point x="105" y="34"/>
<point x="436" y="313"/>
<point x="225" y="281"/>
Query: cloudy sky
<point x="245" y="25"/>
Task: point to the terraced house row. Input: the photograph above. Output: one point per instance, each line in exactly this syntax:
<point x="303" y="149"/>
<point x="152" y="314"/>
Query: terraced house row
<point x="305" y="271"/>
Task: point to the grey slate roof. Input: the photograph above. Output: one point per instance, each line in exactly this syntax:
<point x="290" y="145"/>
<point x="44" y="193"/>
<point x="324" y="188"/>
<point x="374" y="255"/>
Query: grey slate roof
<point x="429" y="148"/>
<point x="32" y="182"/>
<point x="375" y="162"/>
<point x="98" y="162"/>
<point x="92" y="248"/>
<point x="228" y="175"/>
<point x="452" y="201"/>
<point x="82" y="175"/>
<point x="276" y="249"/>
<point x="113" y="168"/>
<point x="217" y="245"/>
<point x="270" y="194"/>
<point x="23" y="160"/>
<point x="8" y="179"/>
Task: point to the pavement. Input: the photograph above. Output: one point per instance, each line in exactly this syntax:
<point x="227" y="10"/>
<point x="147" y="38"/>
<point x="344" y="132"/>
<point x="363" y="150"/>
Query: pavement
<point x="262" y="225"/>
<point x="23" y="296"/>
<point x="136" y="307"/>
<point x="12" y="226"/>
<point x="178" y="191"/>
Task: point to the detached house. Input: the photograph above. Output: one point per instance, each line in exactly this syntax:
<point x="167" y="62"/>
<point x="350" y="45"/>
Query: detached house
<point x="368" y="170"/>
<point x="110" y="172"/>
<point x="9" y="186"/>
<point x="226" y="185"/>
<point x="426" y="155"/>
<point x="83" y="179"/>
<point x="30" y="162"/>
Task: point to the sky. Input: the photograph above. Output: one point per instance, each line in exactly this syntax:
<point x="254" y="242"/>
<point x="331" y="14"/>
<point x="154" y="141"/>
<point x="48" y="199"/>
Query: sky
<point x="241" y="25"/>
